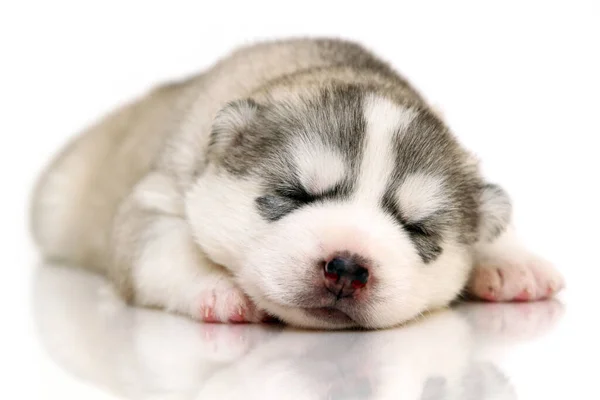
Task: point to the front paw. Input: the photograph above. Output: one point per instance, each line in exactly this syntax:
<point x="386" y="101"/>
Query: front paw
<point x="521" y="278"/>
<point x="225" y="302"/>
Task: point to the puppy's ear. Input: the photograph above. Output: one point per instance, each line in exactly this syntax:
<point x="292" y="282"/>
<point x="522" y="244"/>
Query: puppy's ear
<point x="230" y="124"/>
<point x="495" y="212"/>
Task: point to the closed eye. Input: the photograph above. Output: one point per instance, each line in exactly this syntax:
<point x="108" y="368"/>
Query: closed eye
<point x="297" y="194"/>
<point x="417" y="229"/>
<point x="284" y="200"/>
<point x="301" y="196"/>
<point x="424" y="227"/>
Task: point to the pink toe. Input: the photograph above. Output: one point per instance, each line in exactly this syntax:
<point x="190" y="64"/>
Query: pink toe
<point x="238" y="315"/>
<point x="237" y="318"/>
<point x="208" y="315"/>
<point x="525" y="295"/>
<point x="489" y="296"/>
<point x="551" y="291"/>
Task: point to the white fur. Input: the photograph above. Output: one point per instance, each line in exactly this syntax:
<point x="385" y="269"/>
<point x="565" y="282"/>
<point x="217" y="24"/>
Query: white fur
<point x="225" y="222"/>
<point x="320" y="166"/>
<point x="157" y="192"/>
<point x="170" y="270"/>
<point x="384" y="120"/>
<point x="420" y="195"/>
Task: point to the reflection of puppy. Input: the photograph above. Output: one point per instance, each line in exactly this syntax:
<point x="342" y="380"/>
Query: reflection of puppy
<point x="304" y="178"/>
<point x="140" y="353"/>
<point x="347" y="365"/>
<point x="431" y="360"/>
<point x="132" y="352"/>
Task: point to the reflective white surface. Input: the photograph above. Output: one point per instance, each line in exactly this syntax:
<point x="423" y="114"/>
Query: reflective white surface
<point x="472" y="351"/>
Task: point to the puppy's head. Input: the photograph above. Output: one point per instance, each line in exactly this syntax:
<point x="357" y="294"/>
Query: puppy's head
<point x="341" y="207"/>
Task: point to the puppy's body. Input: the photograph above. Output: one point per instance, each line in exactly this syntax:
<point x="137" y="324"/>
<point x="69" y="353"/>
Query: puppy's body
<point x="283" y="159"/>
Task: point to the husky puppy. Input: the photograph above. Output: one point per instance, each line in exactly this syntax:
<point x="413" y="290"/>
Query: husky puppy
<point x="301" y="179"/>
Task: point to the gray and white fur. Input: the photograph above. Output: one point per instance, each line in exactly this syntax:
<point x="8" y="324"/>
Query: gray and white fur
<point x="302" y="179"/>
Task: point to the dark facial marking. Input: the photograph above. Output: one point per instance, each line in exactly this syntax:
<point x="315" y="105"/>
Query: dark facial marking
<point x="273" y="207"/>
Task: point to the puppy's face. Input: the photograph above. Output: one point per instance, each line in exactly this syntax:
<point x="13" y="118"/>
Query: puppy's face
<point x="339" y="208"/>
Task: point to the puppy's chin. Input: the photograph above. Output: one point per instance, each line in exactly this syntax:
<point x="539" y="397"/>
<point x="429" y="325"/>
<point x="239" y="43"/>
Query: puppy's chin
<point x="323" y="318"/>
<point x="310" y="318"/>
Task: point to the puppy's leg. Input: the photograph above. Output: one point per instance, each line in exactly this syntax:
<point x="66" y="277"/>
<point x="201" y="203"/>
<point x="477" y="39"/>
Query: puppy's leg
<point x="506" y="271"/>
<point x="156" y="262"/>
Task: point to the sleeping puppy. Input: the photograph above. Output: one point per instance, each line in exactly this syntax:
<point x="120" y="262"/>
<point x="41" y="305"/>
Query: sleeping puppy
<point x="303" y="180"/>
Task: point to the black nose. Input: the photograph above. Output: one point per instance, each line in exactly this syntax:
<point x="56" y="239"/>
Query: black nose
<point x="345" y="275"/>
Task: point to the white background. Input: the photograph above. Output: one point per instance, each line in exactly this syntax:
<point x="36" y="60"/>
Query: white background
<point x="517" y="81"/>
